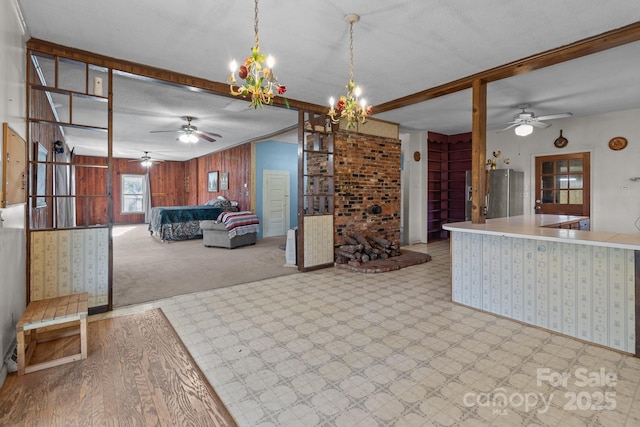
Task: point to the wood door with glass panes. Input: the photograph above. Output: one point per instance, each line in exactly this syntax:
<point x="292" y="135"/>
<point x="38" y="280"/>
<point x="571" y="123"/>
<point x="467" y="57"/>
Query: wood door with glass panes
<point x="563" y="185"/>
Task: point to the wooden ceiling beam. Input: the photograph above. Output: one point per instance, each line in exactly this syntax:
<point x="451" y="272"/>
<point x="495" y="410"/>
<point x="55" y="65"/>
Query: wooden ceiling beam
<point x="584" y="47"/>
<point x="146" y="71"/>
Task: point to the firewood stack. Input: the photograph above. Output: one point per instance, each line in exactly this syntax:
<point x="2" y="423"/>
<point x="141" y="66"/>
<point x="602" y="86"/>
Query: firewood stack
<point x="360" y="249"/>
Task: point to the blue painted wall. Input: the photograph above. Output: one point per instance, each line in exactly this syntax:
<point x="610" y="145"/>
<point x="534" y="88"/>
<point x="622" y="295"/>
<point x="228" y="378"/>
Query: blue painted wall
<point x="274" y="155"/>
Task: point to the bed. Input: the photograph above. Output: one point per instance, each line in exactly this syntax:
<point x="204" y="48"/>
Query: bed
<point x="181" y="222"/>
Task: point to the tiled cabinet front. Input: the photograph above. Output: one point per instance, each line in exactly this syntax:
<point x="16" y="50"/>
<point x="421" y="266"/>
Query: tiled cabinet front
<point x="584" y="291"/>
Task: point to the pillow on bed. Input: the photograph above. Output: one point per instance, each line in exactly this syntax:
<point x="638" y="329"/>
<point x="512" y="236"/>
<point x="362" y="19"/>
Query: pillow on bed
<point x="218" y="203"/>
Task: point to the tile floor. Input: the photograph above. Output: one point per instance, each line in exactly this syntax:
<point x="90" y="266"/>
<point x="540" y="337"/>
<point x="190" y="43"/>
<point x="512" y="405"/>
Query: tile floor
<point x="339" y="348"/>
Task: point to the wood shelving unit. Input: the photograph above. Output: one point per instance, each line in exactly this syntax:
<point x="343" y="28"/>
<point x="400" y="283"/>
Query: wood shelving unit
<point x="447" y="164"/>
<point x="437" y="188"/>
<point x="459" y="162"/>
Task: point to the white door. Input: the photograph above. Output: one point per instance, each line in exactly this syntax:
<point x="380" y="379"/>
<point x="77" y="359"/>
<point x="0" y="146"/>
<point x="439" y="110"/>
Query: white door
<point x="275" y="202"/>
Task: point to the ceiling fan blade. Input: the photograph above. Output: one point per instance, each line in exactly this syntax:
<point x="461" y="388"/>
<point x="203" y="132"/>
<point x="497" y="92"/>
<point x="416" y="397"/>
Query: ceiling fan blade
<point x="215" y="135"/>
<point x="541" y="125"/>
<point x="204" y="136"/>
<point x="555" y="116"/>
<point x="508" y="127"/>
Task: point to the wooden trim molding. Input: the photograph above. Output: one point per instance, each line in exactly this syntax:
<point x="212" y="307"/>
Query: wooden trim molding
<point x="584" y="47"/>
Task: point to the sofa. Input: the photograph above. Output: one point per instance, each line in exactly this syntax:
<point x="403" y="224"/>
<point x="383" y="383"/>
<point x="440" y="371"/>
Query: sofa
<point x="215" y="234"/>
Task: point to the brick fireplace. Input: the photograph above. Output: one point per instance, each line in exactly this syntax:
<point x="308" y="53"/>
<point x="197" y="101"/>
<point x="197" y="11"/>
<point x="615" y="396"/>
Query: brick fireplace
<point x="367" y="176"/>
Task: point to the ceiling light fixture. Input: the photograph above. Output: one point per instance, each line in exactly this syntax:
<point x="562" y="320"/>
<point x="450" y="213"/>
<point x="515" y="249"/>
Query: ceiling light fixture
<point x="257" y="73"/>
<point x="350" y="108"/>
<point x="524" y="129"/>
<point x="146" y="160"/>
<point x="188" y="137"/>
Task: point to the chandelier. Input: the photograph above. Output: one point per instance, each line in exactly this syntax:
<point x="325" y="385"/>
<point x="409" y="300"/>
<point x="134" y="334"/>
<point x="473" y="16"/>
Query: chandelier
<point x="258" y="80"/>
<point x="350" y="107"/>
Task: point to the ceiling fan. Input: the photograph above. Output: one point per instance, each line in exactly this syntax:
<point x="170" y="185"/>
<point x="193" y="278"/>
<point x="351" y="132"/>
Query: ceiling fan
<point x="525" y="121"/>
<point x="190" y="133"/>
<point x="146" y="160"/>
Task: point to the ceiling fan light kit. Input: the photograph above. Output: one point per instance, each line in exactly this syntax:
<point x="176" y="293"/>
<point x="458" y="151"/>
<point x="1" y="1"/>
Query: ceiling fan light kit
<point x="525" y="121"/>
<point x="524" y="130"/>
<point x="190" y="133"/>
<point x="146" y="161"/>
<point x="188" y="138"/>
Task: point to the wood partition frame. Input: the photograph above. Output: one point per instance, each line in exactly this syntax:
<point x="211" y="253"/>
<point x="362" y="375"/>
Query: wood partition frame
<point x="43" y="128"/>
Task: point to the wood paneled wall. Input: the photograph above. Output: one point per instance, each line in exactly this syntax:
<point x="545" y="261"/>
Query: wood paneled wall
<point x="166" y="179"/>
<point x="191" y="182"/>
<point x="91" y="182"/>
<point x="235" y="161"/>
<point x="172" y="183"/>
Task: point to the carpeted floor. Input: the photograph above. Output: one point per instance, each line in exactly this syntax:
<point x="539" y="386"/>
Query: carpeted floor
<point x="146" y="269"/>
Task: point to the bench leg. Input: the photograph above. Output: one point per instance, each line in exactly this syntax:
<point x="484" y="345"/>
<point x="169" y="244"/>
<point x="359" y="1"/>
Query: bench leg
<point x="83" y="336"/>
<point x="21" y="352"/>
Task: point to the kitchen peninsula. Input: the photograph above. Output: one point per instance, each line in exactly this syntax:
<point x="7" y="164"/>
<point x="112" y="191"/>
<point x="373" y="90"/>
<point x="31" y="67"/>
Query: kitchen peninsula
<point x="535" y="270"/>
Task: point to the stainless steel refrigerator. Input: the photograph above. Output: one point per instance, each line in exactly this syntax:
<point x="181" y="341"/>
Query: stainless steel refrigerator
<point x="505" y="196"/>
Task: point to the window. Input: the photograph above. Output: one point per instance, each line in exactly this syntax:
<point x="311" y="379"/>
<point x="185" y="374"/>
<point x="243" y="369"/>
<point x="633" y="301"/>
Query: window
<point x="132" y="193"/>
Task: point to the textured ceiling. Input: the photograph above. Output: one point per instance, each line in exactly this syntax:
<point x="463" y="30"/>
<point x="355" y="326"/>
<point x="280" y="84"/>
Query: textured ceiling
<point x="400" y="47"/>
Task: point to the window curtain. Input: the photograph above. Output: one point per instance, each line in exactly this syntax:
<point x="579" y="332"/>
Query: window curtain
<point x="146" y="197"/>
<point x="64" y="186"/>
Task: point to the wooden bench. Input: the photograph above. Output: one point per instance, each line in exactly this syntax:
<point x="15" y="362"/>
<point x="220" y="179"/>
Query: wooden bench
<point x="53" y="313"/>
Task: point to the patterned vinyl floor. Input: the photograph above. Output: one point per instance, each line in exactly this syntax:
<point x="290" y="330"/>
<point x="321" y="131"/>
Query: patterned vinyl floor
<point x="339" y="348"/>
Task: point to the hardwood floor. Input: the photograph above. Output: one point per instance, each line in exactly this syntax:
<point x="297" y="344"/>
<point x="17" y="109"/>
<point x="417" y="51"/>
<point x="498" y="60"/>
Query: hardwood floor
<point x="137" y="372"/>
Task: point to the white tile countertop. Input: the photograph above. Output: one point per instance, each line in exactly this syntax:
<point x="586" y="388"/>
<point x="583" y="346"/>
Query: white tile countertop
<point x="535" y="227"/>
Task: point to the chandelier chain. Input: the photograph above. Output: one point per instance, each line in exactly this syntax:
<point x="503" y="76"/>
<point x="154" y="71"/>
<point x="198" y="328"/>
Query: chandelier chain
<point x="351" y="51"/>
<point x="257" y="42"/>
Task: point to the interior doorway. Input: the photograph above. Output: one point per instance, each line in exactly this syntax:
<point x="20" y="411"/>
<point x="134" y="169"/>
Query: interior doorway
<point x="275" y="202"/>
<point x="563" y="184"/>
